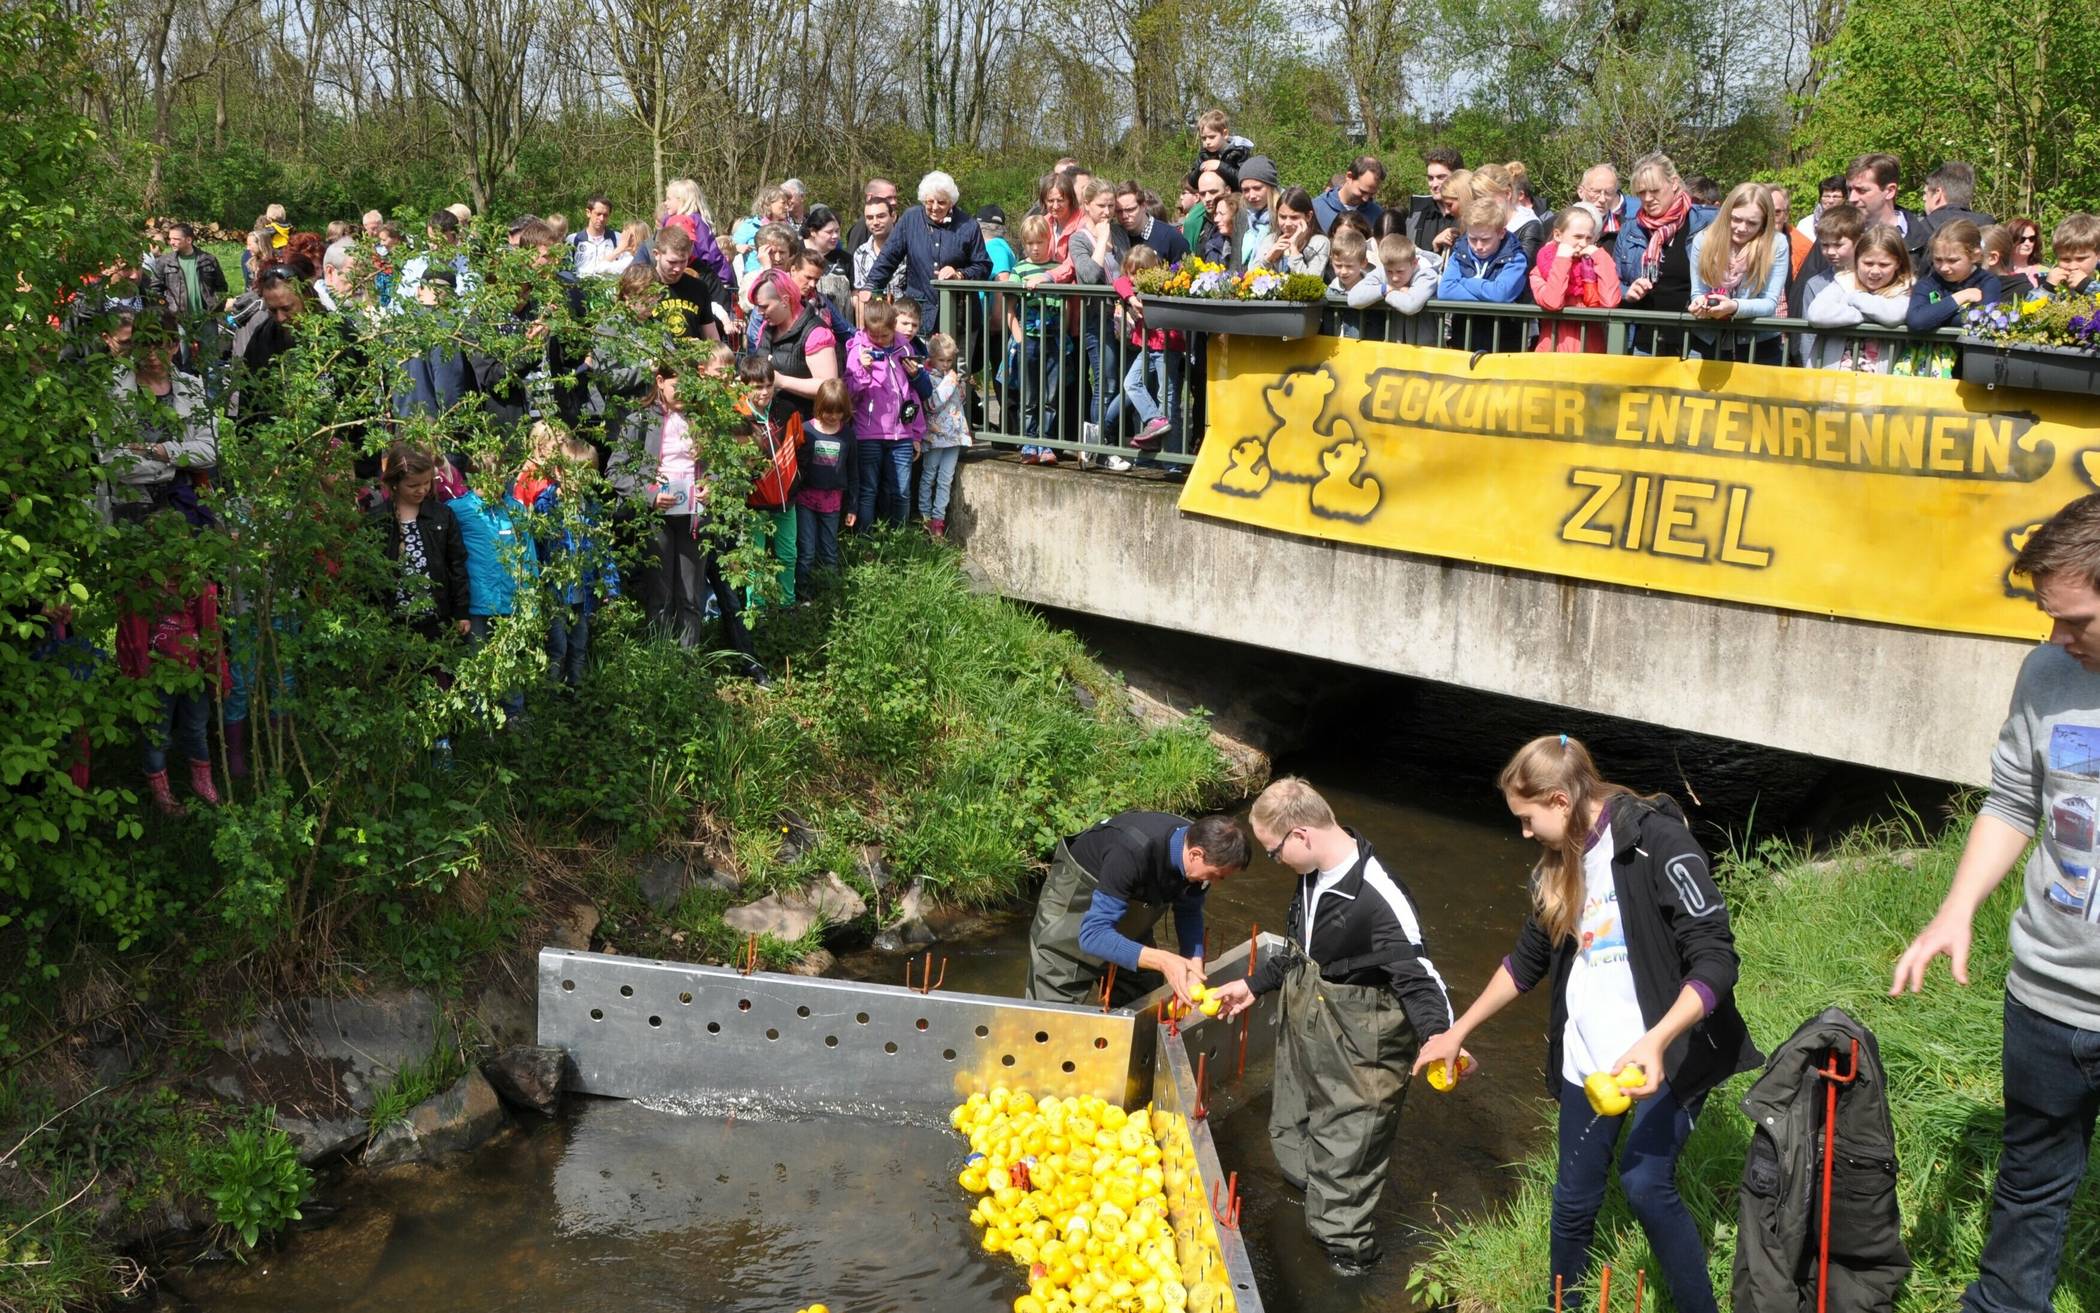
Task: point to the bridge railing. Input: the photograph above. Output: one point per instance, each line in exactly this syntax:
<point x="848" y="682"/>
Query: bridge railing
<point x="1062" y="385"/>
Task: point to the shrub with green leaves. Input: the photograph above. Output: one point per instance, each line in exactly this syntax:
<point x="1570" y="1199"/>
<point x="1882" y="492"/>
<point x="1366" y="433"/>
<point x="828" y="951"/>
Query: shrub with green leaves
<point x="254" y="1180"/>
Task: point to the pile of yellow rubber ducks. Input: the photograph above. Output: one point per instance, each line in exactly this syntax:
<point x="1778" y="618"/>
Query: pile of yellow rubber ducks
<point x="1074" y="1191"/>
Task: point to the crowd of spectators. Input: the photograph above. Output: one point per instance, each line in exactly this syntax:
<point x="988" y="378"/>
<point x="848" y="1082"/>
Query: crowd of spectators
<point x="862" y="379"/>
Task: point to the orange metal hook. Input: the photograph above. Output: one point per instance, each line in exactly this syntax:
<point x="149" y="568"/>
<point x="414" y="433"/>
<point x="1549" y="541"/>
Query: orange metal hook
<point x="927" y="983"/>
<point x="1227" y="1210"/>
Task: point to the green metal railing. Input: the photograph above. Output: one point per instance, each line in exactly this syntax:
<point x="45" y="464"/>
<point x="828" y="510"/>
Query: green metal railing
<point x="1060" y="386"/>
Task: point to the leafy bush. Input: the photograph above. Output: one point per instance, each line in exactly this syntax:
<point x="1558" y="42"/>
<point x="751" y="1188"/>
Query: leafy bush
<point x="254" y="1179"/>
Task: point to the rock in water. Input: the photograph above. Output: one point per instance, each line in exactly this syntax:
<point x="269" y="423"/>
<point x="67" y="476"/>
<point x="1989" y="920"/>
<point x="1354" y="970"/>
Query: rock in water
<point x="528" y="1076"/>
<point x="457" y="1119"/>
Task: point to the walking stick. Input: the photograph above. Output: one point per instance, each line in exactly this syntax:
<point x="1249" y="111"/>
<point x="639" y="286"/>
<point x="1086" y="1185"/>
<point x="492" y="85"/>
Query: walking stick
<point x="1834" y="1078"/>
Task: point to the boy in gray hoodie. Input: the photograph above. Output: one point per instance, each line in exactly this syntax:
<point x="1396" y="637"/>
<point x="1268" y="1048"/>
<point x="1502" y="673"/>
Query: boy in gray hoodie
<point x="2045" y="785"/>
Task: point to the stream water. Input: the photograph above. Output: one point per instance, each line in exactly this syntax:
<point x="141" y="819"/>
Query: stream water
<point x="617" y="1206"/>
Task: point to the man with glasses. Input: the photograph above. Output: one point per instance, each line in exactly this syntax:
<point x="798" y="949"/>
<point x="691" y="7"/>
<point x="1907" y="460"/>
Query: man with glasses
<point x="1255" y="225"/>
<point x="1108" y="887"/>
<point x="1136" y="219"/>
<point x="1600" y="188"/>
<point x="1358" y="996"/>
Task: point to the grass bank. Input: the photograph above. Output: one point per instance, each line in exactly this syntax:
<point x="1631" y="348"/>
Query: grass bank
<point x="1812" y="934"/>
<point x="957" y="733"/>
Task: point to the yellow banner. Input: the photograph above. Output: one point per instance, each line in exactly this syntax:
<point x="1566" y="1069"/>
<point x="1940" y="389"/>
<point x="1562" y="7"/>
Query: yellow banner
<point x="1899" y="500"/>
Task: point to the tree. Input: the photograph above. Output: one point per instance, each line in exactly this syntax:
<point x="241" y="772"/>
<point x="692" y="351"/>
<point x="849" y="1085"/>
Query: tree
<point x="2017" y="95"/>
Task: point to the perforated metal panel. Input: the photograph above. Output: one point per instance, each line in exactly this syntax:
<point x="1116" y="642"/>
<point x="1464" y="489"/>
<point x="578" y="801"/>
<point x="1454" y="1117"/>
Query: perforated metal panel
<point x="1214" y="1262"/>
<point x="636" y="1028"/>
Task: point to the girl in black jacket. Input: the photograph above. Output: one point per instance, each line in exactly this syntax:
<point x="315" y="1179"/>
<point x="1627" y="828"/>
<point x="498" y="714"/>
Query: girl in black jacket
<point x="423" y="538"/>
<point x="1628" y="927"/>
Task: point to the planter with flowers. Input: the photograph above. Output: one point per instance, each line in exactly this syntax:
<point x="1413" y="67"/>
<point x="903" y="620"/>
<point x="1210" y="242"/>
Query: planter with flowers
<point x="1196" y="296"/>
<point x="2045" y="343"/>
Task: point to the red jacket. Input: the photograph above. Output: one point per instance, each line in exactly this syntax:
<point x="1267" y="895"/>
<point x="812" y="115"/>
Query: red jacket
<point x="1549" y="288"/>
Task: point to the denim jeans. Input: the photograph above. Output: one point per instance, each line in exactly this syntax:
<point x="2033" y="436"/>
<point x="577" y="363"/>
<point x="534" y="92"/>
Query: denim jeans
<point x="1041" y="358"/>
<point x="1647" y="1176"/>
<point x="1152" y="388"/>
<point x="887" y="465"/>
<point x="936" y="478"/>
<point x="181" y="727"/>
<point x="2052" y="1093"/>
<point x="781" y="533"/>
<point x="568" y="641"/>
<point x="816" y="545"/>
<point x="244" y="668"/>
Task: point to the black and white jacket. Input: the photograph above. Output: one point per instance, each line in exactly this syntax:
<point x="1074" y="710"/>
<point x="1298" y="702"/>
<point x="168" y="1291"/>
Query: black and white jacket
<point x="1364" y="931"/>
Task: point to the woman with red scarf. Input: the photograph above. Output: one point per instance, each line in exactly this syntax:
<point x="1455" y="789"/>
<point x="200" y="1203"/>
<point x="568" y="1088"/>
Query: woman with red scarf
<point x="1570" y="272"/>
<point x="1654" y="251"/>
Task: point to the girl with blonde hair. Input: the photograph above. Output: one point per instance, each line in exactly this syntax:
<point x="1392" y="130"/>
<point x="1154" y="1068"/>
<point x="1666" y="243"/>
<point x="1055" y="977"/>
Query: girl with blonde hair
<point x="1740" y="264"/>
<point x="1631" y="935"/>
<point x="686" y="207"/>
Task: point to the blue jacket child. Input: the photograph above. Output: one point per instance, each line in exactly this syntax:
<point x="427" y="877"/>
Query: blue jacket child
<point x="599" y="582"/>
<point x="1500" y="277"/>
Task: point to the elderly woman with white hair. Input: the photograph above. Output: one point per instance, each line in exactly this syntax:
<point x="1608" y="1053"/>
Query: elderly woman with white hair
<point x="936" y="243"/>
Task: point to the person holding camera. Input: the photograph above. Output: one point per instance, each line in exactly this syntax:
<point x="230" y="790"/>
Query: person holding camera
<point x="1739" y="268"/>
<point x="885" y="415"/>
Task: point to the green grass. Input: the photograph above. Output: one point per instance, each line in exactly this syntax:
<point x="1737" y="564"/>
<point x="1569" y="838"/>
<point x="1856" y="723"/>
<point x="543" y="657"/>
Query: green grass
<point x="1809" y="939"/>
<point x="906" y="711"/>
<point x="416" y="1082"/>
<point x="229" y="254"/>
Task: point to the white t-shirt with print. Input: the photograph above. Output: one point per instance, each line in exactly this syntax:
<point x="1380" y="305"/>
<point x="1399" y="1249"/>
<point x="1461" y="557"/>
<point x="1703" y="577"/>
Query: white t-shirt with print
<point x="1604" y="1012"/>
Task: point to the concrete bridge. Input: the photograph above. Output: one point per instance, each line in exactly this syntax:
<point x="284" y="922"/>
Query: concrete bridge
<point x="1116" y="545"/>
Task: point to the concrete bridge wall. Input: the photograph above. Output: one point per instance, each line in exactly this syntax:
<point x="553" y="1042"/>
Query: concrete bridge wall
<point x="1899" y="699"/>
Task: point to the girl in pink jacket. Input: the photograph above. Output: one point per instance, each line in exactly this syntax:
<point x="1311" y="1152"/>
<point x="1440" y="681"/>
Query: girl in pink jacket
<point x="1570" y="272"/>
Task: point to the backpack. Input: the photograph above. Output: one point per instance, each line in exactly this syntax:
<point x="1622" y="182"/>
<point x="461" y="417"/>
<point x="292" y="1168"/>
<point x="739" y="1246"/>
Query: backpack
<point x="777" y="484"/>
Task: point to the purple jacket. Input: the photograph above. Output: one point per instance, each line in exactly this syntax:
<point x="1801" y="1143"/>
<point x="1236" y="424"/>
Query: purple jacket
<point x="879" y="391"/>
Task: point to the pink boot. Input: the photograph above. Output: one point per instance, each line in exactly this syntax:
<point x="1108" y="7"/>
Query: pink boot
<point x="237" y="749"/>
<point x="201" y="783"/>
<point x="163" y="797"/>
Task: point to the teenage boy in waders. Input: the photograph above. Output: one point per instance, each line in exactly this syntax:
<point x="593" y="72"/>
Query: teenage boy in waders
<point x="2045" y="783"/>
<point x="1359" y="995"/>
<point x="1107" y="888"/>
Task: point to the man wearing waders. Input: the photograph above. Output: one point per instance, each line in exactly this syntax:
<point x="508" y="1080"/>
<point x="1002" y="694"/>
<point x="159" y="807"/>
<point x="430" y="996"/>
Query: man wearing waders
<point x="2045" y="786"/>
<point x="1359" y="995"/>
<point x="1108" y="886"/>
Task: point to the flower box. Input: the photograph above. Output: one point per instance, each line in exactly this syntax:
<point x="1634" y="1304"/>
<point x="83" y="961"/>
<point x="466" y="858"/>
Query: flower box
<point x="1199" y="314"/>
<point x="2029" y="365"/>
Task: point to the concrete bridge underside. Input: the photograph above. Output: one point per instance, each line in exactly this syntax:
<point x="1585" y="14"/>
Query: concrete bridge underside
<point x="1879" y="695"/>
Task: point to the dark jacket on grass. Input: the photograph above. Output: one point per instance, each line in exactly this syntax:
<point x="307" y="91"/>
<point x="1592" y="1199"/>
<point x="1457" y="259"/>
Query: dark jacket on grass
<point x="1777" y="1242"/>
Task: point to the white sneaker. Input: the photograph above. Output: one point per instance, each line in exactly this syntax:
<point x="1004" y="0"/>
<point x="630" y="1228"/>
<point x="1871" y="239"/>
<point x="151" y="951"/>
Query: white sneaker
<point x="1114" y="463"/>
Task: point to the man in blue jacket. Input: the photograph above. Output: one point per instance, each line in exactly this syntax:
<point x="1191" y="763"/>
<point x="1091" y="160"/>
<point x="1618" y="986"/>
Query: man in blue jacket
<point x="1109" y="885"/>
